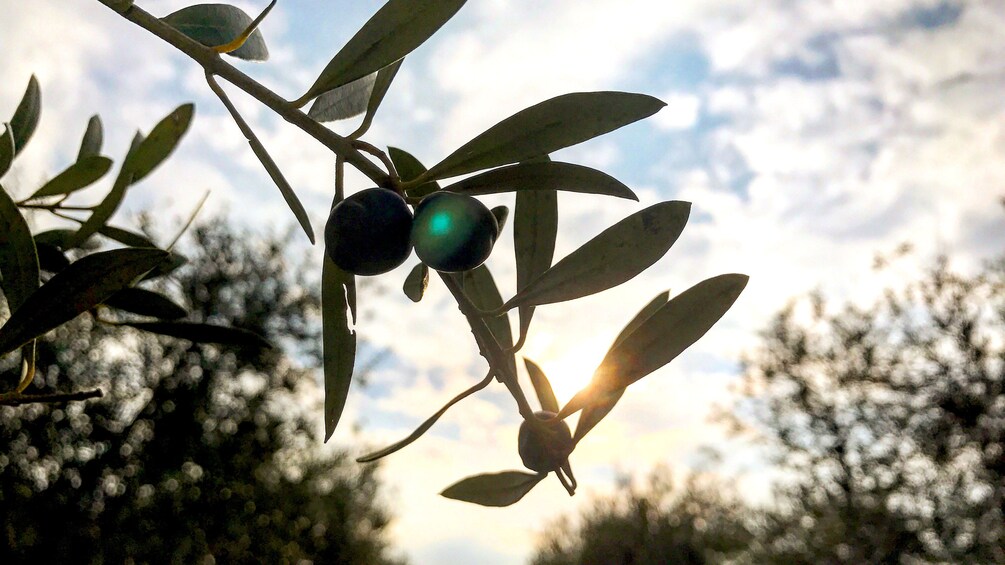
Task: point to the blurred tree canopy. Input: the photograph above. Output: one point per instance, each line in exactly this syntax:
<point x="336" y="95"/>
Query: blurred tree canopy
<point x="197" y="453"/>
<point x="885" y="426"/>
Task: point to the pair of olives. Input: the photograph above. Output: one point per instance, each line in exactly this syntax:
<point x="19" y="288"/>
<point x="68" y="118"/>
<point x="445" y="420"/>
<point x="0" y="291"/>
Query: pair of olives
<point x="373" y="231"/>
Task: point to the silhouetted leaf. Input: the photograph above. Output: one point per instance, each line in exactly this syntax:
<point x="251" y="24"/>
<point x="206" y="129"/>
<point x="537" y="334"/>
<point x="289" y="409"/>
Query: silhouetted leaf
<point x="393" y="32"/>
<point x="546" y="127"/>
<point x="338" y="316"/>
<point x="145" y="302"/>
<point x="602" y="406"/>
<point x="547" y="175"/>
<point x="6" y="149"/>
<point x="502" y="214"/>
<point x="56" y="237"/>
<point x="25" y="118"/>
<point x="663" y="336"/>
<point x="204" y="333"/>
<point x="535" y="227"/>
<point x="126" y="237"/>
<point x="170" y="264"/>
<point x="481" y="289"/>
<point x="50" y="258"/>
<point x="545" y="394"/>
<point x="77" y="288"/>
<point x="345" y="101"/>
<point x="616" y="255"/>
<point x="18" y="259"/>
<point x="218" y="24"/>
<point x="161" y="142"/>
<point x="409" y="168"/>
<point x="494" y="489"/>
<point x="416" y="282"/>
<point x="90" y="145"/>
<point x="80" y="174"/>
<point x="383" y="82"/>
<point x="289" y="195"/>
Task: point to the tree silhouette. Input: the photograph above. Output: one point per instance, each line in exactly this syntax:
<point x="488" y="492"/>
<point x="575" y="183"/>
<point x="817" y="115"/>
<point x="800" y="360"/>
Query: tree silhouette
<point x="197" y="452"/>
<point x="889" y="422"/>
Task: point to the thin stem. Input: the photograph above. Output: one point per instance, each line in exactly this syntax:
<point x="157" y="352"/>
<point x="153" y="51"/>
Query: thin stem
<point x="188" y="224"/>
<point x="372" y="150"/>
<point x="65" y="217"/>
<point x="212" y="63"/>
<point x="16" y="399"/>
<point x="56" y="206"/>
<point x="428" y="423"/>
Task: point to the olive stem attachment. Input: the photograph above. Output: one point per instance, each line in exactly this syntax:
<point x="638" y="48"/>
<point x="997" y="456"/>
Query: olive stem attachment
<point x="428" y="423"/>
<point x="376" y="152"/>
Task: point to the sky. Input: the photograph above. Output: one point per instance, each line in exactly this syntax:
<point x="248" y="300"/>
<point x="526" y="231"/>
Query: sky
<point x="808" y="135"/>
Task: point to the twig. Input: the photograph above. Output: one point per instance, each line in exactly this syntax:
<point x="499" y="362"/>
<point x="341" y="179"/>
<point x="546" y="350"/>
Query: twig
<point x="372" y="150"/>
<point x="15" y="399"/>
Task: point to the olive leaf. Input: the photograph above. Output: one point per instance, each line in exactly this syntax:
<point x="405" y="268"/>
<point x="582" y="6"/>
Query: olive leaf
<point x="50" y="258"/>
<point x="410" y="168"/>
<point x="219" y="24"/>
<point x="542" y="387"/>
<point x="26" y="116"/>
<point x="481" y="290"/>
<point x="546" y="127"/>
<point x="535" y="228"/>
<point x="80" y="174"/>
<point x="416" y="282"/>
<point x="125" y="237"/>
<point x="90" y="144"/>
<point x="344" y="102"/>
<point x="338" y="318"/>
<point x="204" y="333"/>
<point x="145" y="302"/>
<point x="501" y="214"/>
<point x="19" y="270"/>
<point x="170" y="264"/>
<point x="381" y="85"/>
<point x="616" y="255"/>
<point x="76" y="289"/>
<point x="674" y="327"/>
<point x="494" y="489"/>
<point x="398" y="28"/>
<point x="6" y="149"/>
<point x="546" y="175"/>
<point x="602" y="406"/>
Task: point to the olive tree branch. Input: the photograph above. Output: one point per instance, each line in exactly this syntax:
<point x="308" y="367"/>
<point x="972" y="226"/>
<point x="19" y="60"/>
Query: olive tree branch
<point x="372" y="150"/>
<point x="212" y="63"/>
<point x="17" y="399"/>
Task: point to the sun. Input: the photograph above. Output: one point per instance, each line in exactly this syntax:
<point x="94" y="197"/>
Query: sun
<point x="570" y="367"/>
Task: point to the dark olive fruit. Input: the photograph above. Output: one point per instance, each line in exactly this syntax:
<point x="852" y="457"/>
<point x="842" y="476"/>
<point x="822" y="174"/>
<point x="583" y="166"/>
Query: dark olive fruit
<point x="369" y="233"/>
<point x="544" y="450"/>
<point x="453" y="232"/>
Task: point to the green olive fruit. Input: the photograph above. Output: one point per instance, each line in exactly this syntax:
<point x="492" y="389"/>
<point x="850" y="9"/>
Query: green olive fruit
<point x="369" y="233"/>
<point x="544" y="450"/>
<point x="453" y="232"/>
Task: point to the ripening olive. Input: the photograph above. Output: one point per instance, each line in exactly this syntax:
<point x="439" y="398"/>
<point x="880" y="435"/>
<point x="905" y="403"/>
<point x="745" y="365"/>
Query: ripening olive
<point x="453" y="232"/>
<point x="544" y="450"/>
<point x="369" y="232"/>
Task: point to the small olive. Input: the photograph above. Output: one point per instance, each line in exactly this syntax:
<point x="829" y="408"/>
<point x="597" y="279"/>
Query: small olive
<point x="453" y="232"/>
<point x="369" y="233"/>
<point x="544" y="450"/>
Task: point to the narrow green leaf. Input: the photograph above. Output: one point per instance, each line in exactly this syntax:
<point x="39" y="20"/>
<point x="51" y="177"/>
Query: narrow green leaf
<point x="409" y="168"/>
<point x="76" y="289"/>
<point x="50" y="258"/>
<point x="547" y="175"/>
<point x="218" y="24"/>
<point x="161" y="142"/>
<point x="481" y="290"/>
<point x="145" y="302"/>
<point x="346" y="101"/>
<point x="416" y="282"/>
<point x="394" y="31"/>
<point x="56" y="237"/>
<point x="125" y="237"/>
<point x="289" y="195"/>
<point x="204" y="333"/>
<point x="535" y="227"/>
<point x="19" y="276"/>
<point x="616" y="255"/>
<point x="602" y="406"/>
<point x="170" y="264"/>
<point x="502" y="214"/>
<point x="494" y="489"/>
<point x="6" y="149"/>
<point x="383" y="82"/>
<point x="25" y="118"/>
<point x="662" y="337"/>
<point x="338" y="319"/>
<point x="90" y="145"/>
<point x="545" y="394"/>
<point x="546" y="127"/>
<point x="80" y="174"/>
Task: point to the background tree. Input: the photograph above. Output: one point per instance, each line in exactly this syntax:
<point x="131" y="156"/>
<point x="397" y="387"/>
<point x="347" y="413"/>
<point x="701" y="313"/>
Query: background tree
<point x="889" y="422"/>
<point x="699" y="521"/>
<point x="197" y="451"/>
